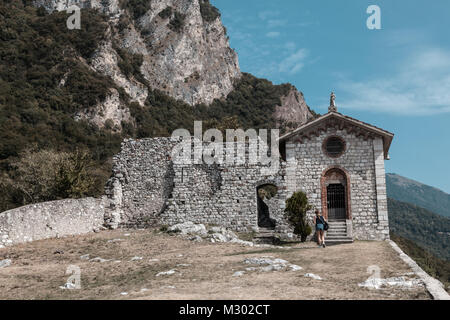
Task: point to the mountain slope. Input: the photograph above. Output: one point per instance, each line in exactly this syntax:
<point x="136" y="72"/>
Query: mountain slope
<point x="410" y="191"/>
<point x="427" y="229"/>
<point x="56" y="93"/>
<point x="182" y="43"/>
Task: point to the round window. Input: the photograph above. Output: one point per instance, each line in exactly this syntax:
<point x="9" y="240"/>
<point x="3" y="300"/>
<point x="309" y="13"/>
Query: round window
<point x="334" y="146"/>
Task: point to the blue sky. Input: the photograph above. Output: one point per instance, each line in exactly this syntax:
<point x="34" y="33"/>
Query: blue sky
<point x="397" y="78"/>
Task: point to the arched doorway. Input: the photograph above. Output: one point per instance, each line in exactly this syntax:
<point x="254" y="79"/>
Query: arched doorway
<point x="336" y="194"/>
<point x="264" y="193"/>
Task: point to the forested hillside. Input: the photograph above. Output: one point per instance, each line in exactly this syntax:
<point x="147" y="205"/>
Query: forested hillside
<point x="410" y="191"/>
<point x="427" y="229"/>
<point x="45" y="79"/>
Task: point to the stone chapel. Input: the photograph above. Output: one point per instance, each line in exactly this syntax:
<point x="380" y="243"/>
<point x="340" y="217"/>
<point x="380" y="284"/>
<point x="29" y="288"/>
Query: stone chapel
<point x="338" y="161"/>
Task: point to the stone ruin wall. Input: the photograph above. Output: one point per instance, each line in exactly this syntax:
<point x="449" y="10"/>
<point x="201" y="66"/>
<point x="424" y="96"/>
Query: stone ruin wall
<point x="232" y="203"/>
<point x="147" y="188"/>
<point x="141" y="182"/>
<point x="51" y="219"/>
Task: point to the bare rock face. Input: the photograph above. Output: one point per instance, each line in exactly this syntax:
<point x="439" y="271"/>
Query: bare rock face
<point x="105" y="61"/>
<point x="109" y="112"/>
<point x="184" y="55"/>
<point x="194" y="63"/>
<point x="293" y="110"/>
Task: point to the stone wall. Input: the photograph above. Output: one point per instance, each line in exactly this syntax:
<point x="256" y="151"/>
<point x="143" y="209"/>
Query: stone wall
<point x="51" y="219"/>
<point x="142" y="181"/>
<point x="233" y="204"/>
<point x="310" y="163"/>
<point x="149" y="188"/>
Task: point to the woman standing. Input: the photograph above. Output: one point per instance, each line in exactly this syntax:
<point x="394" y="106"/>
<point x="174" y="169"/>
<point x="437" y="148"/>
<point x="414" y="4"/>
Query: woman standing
<point x="319" y="221"/>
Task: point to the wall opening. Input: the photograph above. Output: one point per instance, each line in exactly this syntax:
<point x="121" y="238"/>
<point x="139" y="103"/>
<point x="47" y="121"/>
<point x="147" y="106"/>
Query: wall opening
<point x="263" y="195"/>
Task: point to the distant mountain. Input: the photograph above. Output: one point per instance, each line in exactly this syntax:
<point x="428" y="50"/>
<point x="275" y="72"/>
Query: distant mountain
<point x="410" y="191"/>
<point x="427" y="229"/>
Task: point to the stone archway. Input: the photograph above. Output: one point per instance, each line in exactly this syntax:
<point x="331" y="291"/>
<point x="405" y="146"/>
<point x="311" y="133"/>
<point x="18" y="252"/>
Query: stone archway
<point x="264" y="193"/>
<point x="335" y="189"/>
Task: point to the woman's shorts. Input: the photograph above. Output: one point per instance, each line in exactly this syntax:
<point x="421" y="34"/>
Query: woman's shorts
<point x="319" y="226"/>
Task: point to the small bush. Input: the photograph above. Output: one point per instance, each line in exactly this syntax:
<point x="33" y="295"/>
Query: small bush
<point x="177" y="22"/>
<point x="137" y="7"/>
<point x="166" y="13"/>
<point x="296" y="207"/>
<point x="208" y="11"/>
<point x="164" y="228"/>
<point x="267" y="191"/>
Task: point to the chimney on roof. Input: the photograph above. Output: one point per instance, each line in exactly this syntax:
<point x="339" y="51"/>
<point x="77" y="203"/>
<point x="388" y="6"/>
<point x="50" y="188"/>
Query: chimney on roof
<point x="332" y="107"/>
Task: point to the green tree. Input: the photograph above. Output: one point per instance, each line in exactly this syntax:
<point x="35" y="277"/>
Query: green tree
<point x="296" y="207"/>
<point x="49" y="175"/>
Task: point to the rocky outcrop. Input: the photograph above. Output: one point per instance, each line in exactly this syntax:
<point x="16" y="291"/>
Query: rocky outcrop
<point x="110" y="112"/>
<point x="293" y="110"/>
<point x="105" y="61"/>
<point x="186" y="55"/>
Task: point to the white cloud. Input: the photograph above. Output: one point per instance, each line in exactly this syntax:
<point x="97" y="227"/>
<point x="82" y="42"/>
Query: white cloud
<point x="273" y="34"/>
<point x="290" y="45"/>
<point x="294" y="62"/>
<point x="272" y="23"/>
<point x="420" y="85"/>
<point x="266" y="14"/>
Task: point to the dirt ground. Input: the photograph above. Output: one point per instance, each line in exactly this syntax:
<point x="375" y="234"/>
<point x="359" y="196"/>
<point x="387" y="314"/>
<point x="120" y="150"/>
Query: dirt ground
<point x="203" y="270"/>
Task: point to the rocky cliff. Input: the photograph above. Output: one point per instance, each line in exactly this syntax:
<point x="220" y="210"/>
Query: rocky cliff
<point x="293" y="110"/>
<point x="184" y="46"/>
<point x="184" y="53"/>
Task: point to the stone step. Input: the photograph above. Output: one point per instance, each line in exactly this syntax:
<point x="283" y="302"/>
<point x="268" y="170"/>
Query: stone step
<point x="265" y="232"/>
<point x="338" y="240"/>
<point x="265" y="239"/>
<point x="271" y="234"/>
<point x="332" y="242"/>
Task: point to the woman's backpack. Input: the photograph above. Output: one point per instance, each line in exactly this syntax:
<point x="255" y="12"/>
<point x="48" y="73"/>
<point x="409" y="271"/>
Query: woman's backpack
<point x="325" y="224"/>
